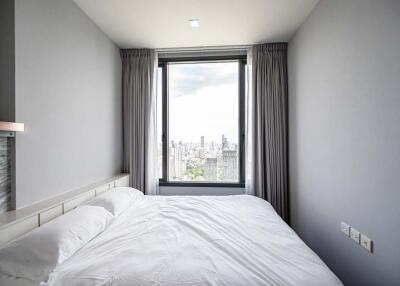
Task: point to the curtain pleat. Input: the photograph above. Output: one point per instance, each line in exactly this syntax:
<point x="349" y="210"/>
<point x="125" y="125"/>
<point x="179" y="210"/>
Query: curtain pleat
<point x="139" y="126"/>
<point x="269" y="95"/>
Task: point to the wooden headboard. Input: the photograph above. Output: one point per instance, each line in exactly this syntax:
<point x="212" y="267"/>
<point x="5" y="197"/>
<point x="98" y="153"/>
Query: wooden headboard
<point x="13" y="224"/>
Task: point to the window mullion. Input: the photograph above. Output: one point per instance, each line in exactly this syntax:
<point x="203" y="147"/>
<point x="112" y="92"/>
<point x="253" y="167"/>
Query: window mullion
<point x="165" y="106"/>
<point x="242" y="90"/>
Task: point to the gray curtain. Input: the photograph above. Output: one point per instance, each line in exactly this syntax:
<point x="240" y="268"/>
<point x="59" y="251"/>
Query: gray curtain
<point x="138" y="99"/>
<point x="269" y="96"/>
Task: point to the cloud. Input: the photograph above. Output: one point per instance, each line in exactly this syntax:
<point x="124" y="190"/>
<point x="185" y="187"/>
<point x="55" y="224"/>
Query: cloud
<point x="186" y="79"/>
<point x="203" y="101"/>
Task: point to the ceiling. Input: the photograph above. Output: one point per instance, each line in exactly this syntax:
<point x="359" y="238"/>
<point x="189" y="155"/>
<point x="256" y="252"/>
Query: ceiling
<point x="164" y="23"/>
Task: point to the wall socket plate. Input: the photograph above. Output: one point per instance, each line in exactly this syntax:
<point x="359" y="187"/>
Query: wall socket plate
<point x="366" y="242"/>
<point x="355" y="235"/>
<point x="358" y="237"/>
<point x="345" y="228"/>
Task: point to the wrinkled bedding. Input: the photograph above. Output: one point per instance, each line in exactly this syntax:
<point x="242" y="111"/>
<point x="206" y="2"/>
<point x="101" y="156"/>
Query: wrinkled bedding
<point x="227" y="240"/>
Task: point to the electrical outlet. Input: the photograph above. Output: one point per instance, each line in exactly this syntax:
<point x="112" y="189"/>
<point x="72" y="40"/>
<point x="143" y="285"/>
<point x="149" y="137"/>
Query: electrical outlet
<point x="355" y="235"/>
<point x="345" y="228"/>
<point x="366" y="242"/>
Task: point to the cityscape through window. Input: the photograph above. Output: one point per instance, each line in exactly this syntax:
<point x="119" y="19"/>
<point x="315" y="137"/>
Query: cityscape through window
<point x="203" y="122"/>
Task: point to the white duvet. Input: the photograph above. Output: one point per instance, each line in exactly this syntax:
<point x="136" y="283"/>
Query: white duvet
<point x="231" y="240"/>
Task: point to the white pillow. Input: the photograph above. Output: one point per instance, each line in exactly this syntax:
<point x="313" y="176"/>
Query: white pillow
<point x="117" y="200"/>
<point x="35" y="255"/>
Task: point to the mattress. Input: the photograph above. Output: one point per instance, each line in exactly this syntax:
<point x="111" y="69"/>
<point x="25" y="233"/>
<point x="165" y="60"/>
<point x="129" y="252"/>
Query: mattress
<point x="226" y="240"/>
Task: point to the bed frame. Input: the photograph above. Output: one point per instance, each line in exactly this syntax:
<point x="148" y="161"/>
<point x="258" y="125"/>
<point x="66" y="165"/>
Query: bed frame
<point x="13" y="224"/>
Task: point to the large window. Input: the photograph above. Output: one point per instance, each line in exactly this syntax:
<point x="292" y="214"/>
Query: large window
<point x="201" y="127"/>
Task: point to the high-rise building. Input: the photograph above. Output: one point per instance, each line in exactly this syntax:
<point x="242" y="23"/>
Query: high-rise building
<point x="229" y="165"/>
<point x="202" y="142"/>
<point x="210" y="169"/>
<point x="224" y="142"/>
<point x="212" y="147"/>
<point x="176" y="161"/>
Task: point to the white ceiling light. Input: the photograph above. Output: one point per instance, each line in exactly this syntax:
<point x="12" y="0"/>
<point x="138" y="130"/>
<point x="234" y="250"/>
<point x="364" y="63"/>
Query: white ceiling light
<point x="194" y="23"/>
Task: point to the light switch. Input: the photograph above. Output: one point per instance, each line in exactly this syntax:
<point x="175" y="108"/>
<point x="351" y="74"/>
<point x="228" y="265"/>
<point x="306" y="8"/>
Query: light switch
<point x="366" y="242"/>
<point x="355" y="235"/>
<point x="345" y="228"/>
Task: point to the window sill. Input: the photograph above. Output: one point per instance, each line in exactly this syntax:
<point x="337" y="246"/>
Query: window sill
<point x="201" y="184"/>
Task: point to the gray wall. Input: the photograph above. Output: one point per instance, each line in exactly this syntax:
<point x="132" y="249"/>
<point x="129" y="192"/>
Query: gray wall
<point x="7" y="109"/>
<point x="344" y="136"/>
<point x="68" y="78"/>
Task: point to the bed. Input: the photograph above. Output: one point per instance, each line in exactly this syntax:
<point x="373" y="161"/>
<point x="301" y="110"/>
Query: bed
<point x="184" y="240"/>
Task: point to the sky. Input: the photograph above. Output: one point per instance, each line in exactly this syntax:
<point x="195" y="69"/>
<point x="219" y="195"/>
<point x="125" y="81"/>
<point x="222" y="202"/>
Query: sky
<point x="203" y="100"/>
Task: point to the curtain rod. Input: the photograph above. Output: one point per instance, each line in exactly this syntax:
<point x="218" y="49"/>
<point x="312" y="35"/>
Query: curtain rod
<point x="204" y="49"/>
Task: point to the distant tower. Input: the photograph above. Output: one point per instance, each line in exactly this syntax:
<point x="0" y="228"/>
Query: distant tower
<point x="210" y="169"/>
<point x="176" y="161"/>
<point x="202" y="142"/>
<point x="224" y="142"/>
<point x="229" y="165"/>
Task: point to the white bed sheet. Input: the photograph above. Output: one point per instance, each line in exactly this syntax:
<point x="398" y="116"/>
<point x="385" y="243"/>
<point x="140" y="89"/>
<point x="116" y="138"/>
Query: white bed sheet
<point x="230" y="240"/>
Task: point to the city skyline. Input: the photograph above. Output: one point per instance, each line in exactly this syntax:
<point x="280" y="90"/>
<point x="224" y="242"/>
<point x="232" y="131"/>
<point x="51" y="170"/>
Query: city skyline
<point x="203" y="161"/>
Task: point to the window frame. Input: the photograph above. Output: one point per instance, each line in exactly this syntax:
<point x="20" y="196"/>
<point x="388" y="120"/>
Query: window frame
<point x="163" y="64"/>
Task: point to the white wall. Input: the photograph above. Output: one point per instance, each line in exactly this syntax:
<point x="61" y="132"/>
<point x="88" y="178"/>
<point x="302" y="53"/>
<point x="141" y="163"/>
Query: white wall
<point x="68" y="79"/>
<point x="344" y="127"/>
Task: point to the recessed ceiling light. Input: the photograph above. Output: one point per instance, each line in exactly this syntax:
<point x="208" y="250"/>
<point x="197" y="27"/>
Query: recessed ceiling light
<point x="194" y="23"/>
